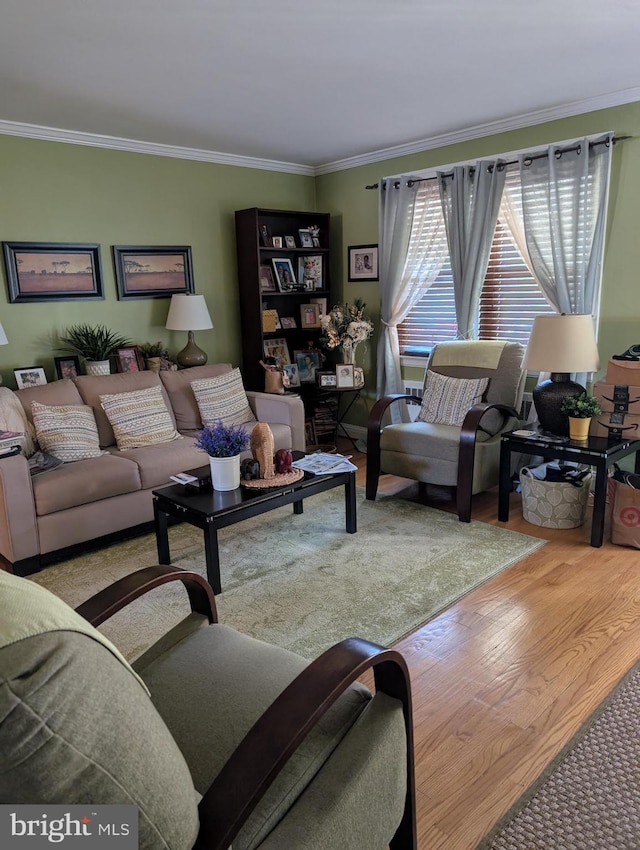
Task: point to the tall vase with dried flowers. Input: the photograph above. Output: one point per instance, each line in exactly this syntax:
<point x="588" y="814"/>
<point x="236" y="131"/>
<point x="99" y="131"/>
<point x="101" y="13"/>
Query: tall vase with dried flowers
<point x="345" y="326"/>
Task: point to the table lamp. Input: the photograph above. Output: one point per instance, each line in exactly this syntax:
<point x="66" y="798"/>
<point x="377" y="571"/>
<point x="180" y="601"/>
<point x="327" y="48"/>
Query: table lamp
<point x="189" y="313"/>
<point x="3" y="341"/>
<point x="560" y="343"/>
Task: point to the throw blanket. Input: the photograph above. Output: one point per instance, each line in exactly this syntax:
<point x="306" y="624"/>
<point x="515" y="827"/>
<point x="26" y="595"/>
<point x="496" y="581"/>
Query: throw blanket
<point x="485" y="353"/>
<point x="13" y="418"/>
<point x="29" y="609"/>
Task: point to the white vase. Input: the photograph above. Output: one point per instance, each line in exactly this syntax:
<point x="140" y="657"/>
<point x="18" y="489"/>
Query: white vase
<point x="349" y="351"/>
<point x="225" y="472"/>
<point x="98" y="367"/>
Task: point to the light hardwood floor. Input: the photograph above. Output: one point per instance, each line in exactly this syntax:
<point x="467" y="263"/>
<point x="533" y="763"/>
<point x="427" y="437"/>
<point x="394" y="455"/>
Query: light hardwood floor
<point x="503" y="678"/>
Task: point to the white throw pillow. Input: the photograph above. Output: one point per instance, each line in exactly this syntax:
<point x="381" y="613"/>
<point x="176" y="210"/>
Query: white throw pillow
<point x="222" y="398"/>
<point x="139" y="418"/>
<point x="68" y="431"/>
<point x="447" y="400"/>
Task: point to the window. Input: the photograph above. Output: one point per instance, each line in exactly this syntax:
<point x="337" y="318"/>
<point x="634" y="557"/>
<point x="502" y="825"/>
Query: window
<point x="509" y="302"/>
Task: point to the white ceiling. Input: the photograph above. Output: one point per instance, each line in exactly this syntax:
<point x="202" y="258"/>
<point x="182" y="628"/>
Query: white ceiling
<point x="310" y="83"/>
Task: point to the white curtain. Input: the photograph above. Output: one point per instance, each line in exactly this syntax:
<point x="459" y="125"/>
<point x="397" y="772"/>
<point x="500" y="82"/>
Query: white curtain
<point x="470" y="204"/>
<point x="412" y="250"/>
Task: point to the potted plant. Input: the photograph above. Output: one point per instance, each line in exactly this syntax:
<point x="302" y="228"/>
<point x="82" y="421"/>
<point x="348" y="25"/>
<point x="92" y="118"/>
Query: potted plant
<point x="580" y="409"/>
<point x="95" y="343"/>
<point x="153" y="354"/>
<point x="224" y="443"/>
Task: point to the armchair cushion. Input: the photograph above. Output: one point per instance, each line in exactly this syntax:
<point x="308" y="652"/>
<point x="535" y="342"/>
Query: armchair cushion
<point x="446" y="400"/>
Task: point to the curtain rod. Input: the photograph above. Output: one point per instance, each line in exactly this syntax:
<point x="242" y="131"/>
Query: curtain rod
<point x="528" y="160"/>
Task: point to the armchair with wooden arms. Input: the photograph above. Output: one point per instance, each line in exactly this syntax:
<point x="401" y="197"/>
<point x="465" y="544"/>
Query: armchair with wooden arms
<point x="452" y="443"/>
<point x="235" y="740"/>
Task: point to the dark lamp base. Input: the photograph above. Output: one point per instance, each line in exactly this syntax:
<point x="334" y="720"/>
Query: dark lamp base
<point x="548" y="397"/>
<point x="191" y="355"/>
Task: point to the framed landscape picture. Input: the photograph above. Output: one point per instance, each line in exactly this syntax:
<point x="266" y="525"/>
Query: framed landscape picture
<point x="363" y="262"/>
<point x="152" y="271"/>
<point x="52" y="271"/>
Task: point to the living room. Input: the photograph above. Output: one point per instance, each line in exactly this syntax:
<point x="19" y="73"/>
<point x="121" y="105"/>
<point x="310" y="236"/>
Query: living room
<point x="61" y="187"/>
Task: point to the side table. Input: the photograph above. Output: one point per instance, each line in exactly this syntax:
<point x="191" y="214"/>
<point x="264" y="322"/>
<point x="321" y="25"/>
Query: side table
<point x="598" y="452"/>
<point x="340" y="414"/>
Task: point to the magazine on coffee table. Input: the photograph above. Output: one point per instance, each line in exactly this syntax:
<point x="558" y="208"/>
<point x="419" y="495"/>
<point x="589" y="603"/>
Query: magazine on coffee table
<point x="323" y="463"/>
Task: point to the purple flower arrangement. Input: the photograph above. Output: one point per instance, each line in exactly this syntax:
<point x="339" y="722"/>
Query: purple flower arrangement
<point x="223" y="440"/>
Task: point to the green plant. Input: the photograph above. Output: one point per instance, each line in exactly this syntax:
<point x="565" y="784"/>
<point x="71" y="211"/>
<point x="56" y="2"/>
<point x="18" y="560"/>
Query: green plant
<point x="223" y="440"/>
<point x="153" y="349"/>
<point x="583" y="406"/>
<point x="93" y="342"/>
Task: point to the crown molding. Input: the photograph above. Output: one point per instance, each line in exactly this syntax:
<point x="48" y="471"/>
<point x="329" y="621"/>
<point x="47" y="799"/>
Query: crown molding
<point x="527" y="119"/>
<point x="52" y="134"/>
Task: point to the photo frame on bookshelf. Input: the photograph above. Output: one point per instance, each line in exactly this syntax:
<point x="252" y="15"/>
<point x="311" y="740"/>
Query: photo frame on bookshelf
<point x="267" y="283"/>
<point x="308" y="363"/>
<point x="288" y="323"/>
<point x="291" y="371"/>
<point x="284" y="273"/>
<point x="279" y="349"/>
<point x="310" y="272"/>
<point x="309" y="316"/>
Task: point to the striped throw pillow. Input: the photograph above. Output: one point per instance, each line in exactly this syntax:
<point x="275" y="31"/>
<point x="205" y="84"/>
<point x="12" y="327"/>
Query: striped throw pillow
<point x="139" y="418"/>
<point x="222" y="399"/>
<point x="446" y="400"/>
<point x="68" y="432"/>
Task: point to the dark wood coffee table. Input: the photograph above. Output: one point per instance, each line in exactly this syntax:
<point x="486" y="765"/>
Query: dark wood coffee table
<point x="211" y="510"/>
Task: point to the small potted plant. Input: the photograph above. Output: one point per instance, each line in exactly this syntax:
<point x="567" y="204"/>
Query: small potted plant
<point x="153" y="354"/>
<point x="580" y="410"/>
<point x="224" y="443"/>
<point x="95" y="343"/>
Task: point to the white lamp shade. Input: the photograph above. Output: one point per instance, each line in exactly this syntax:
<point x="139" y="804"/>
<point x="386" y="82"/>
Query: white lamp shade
<point x="188" y="313"/>
<point x="3" y="337"/>
<point x="562" y="343"/>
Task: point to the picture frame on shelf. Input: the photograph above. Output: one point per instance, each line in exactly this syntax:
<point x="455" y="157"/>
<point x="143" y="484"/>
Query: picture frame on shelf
<point x="265" y="236"/>
<point x="129" y="359"/>
<point x="30" y="376"/>
<point x="291" y="370"/>
<point x="277" y="241"/>
<point x="152" y="271"/>
<point x="306" y="240"/>
<point x="267" y="283"/>
<point x="309" y="316"/>
<point x="309" y="364"/>
<point x="322" y="305"/>
<point x="289" y="242"/>
<point x="52" y="271"/>
<point x="345" y="376"/>
<point x="362" y="262"/>
<point x="310" y="272"/>
<point x="327" y="379"/>
<point x="284" y="274"/>
<point x="279" y="349"/>
<point x="314" y="232"/>
<point x="67" y="366"/>
<point x="288" y="323"/>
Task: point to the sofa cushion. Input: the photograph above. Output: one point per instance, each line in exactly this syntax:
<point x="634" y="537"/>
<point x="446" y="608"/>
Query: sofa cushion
<point x="91" y="387"/>
<point x="223" y="399"/>
<point x="181" y="397"/>
<point x="57" y="392"/>
<point x="75" y="484"/>
<point x="157" y="463"/>
<point x="446" y="400"/>
<point x="67" y="431"/>
<point x="139" y="418"/>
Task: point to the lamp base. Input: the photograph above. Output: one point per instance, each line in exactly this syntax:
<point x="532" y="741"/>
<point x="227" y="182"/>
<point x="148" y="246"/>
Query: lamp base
<point x="548" y="397"/>
<point x="191" y="355"/>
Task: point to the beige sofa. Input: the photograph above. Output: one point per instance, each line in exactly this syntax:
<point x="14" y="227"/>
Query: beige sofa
<point x="77" y="502"/>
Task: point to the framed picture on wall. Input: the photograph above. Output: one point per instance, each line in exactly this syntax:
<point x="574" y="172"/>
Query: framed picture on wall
<point x="152" y="271"/>
<point x="52" y="271"/>
<point x="363" y="262"/>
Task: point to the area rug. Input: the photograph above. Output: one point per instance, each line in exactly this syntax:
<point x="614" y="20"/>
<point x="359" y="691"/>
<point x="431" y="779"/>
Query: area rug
<point x="302" y="582"/>
<point x="589" y="796"/>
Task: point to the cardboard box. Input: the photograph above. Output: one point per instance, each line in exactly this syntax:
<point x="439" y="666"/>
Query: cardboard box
<point x="617" y="398"/>
<point x="616" y="425"/>
<point x="625" y="372"/>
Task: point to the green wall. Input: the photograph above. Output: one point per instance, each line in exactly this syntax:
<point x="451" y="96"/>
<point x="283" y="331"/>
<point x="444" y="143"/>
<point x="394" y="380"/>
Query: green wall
<point x="55" y="192"/>
<point x="344" y="195"/>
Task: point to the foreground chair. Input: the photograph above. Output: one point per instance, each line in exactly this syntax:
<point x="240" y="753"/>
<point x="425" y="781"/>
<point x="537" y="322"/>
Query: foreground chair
<point x="452" y="444"/>
<point x="240" y="742"/>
